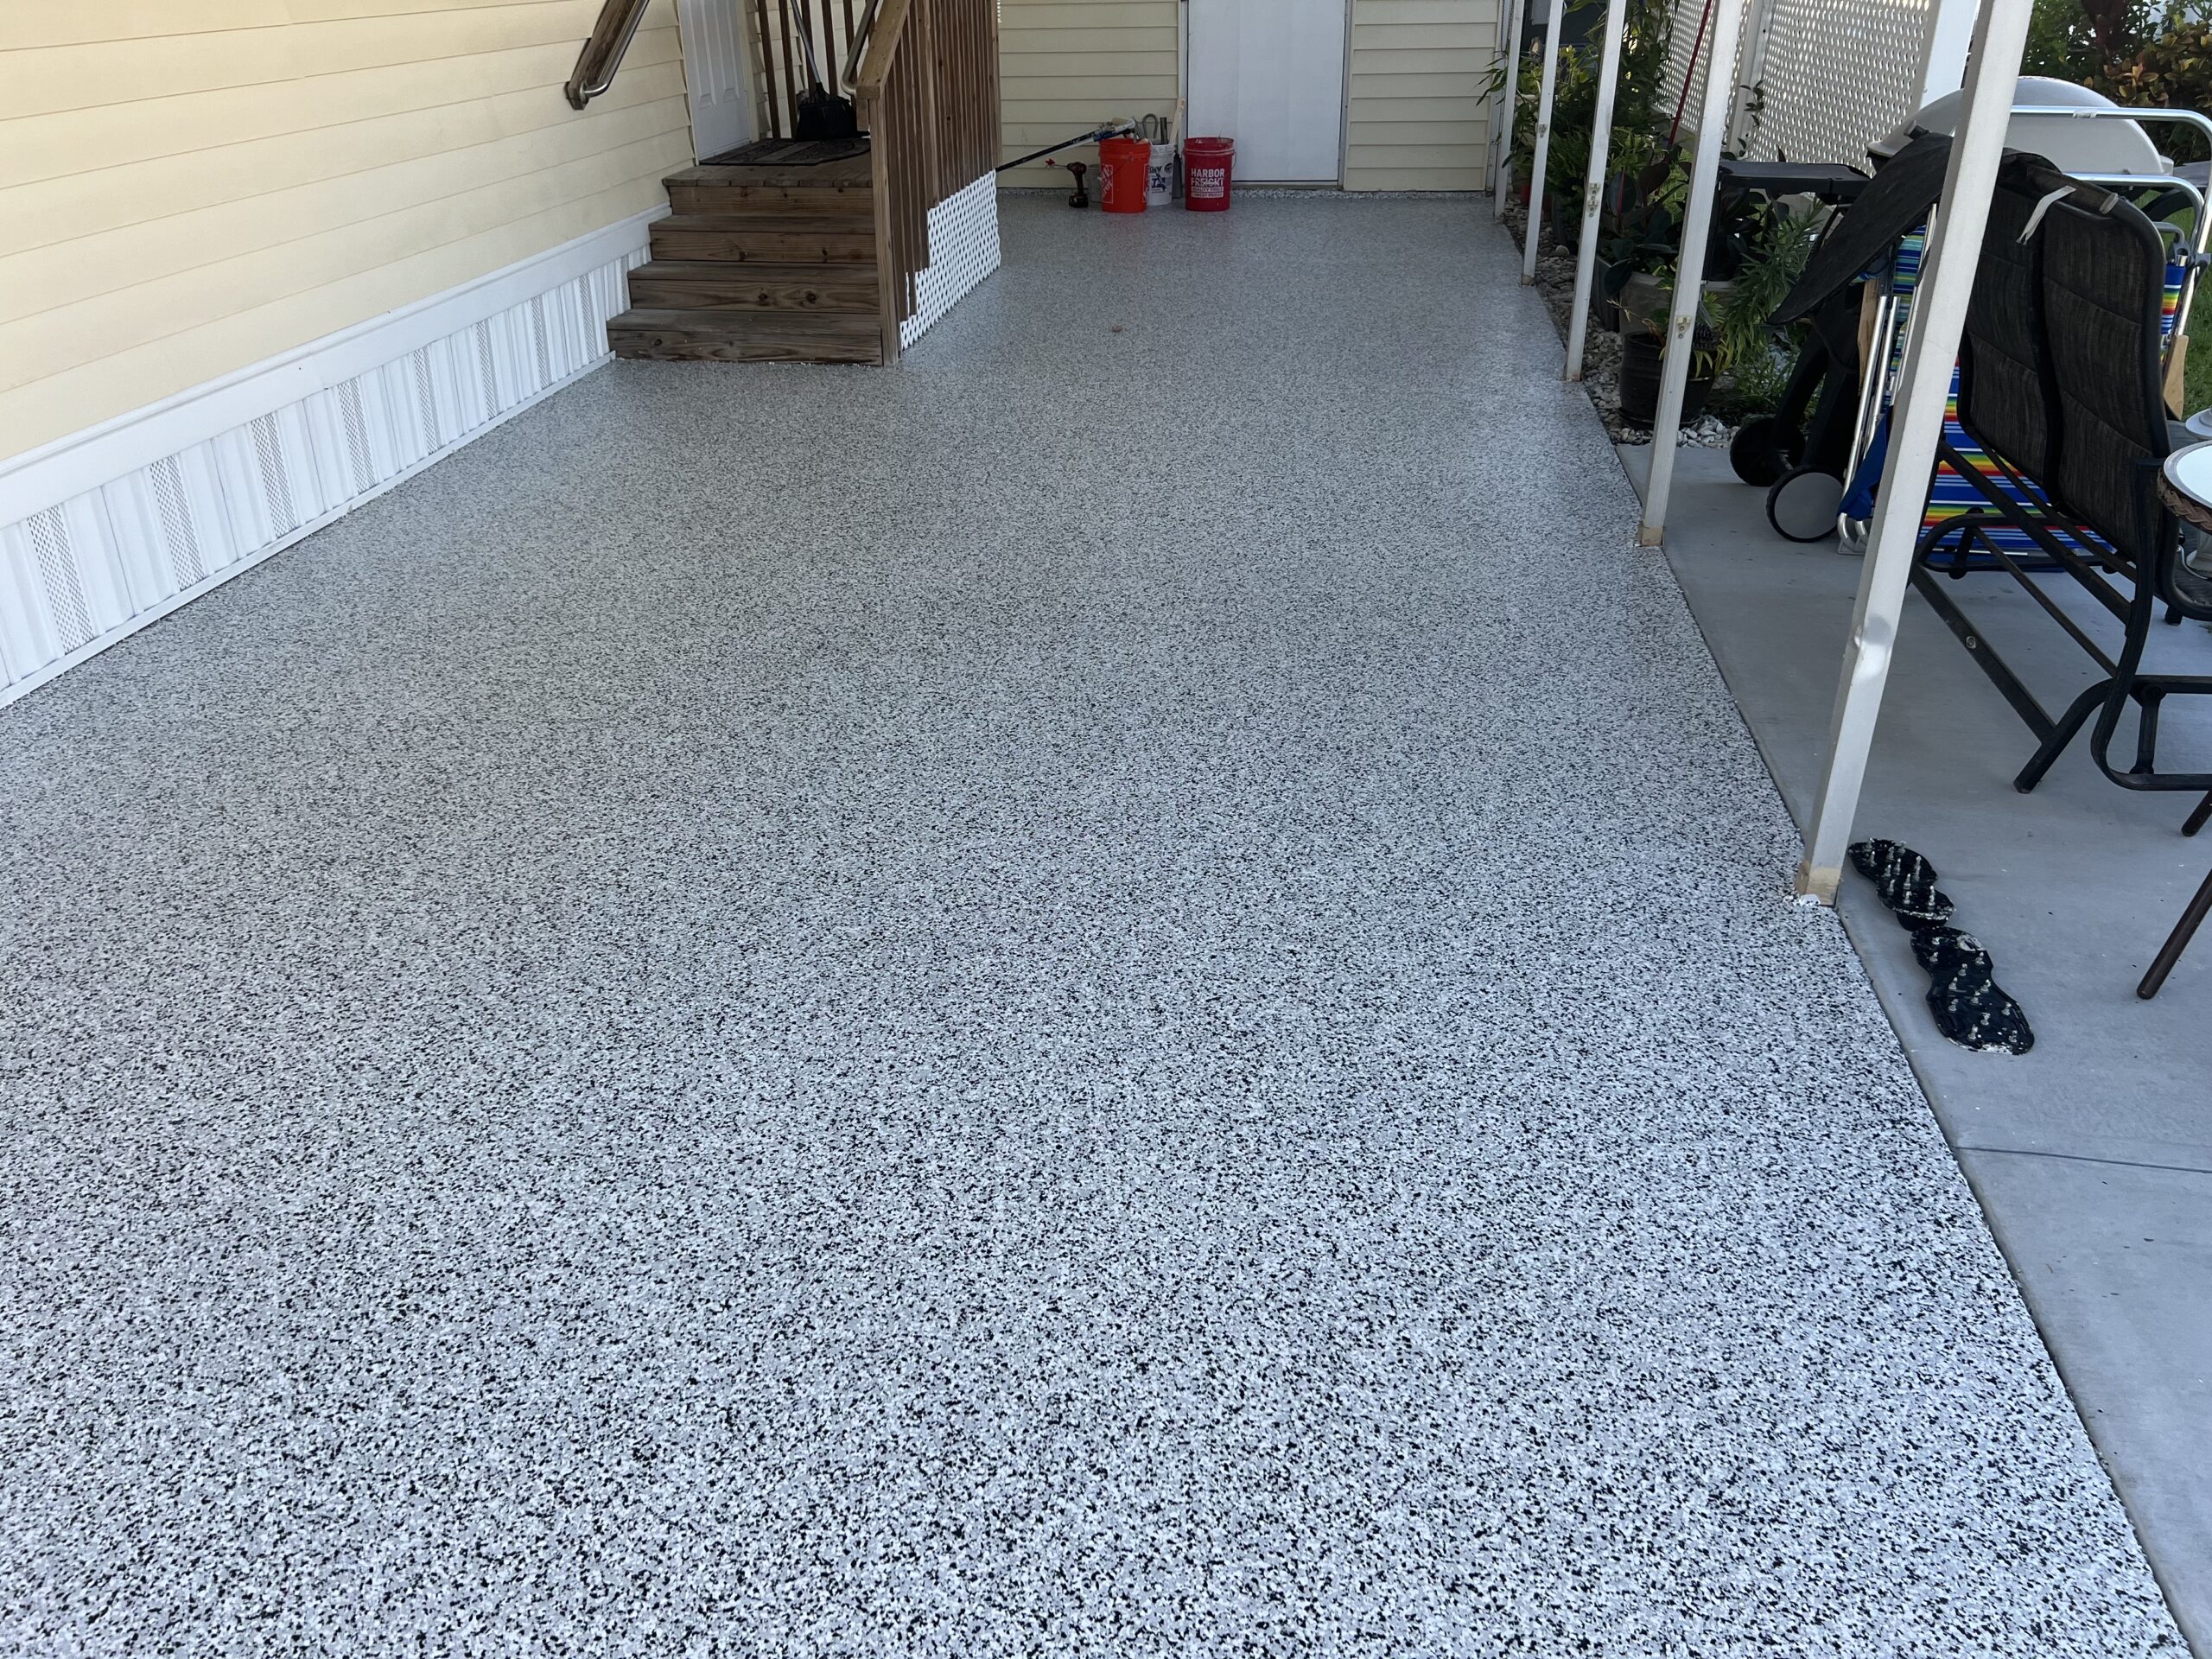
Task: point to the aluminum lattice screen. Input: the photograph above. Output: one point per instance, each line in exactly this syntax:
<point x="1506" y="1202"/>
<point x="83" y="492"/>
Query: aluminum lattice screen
<point x="1836" y="74"/>
<point x="1839" y="74"/>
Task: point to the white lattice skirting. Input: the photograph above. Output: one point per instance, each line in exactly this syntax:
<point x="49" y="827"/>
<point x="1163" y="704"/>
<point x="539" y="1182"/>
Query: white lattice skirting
<point x="964" y="249"/>
<point x="114" y="528"/>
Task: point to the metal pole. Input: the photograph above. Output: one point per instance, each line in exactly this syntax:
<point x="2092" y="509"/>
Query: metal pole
<point x="1689" y="266"/>
<point x="1593" y="187"/>
<point x="1509" y="106"/>
<point x="1542" y="159"/>
<point x="1939" y="311"/>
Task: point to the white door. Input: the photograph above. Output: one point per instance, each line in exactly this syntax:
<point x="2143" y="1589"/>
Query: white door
<point x="713" y="31"/>
<point x="1270" y="74"/>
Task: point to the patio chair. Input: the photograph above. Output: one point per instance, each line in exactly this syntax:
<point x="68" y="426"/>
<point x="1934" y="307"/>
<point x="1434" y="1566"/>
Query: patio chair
<point x="2060" y="395"/>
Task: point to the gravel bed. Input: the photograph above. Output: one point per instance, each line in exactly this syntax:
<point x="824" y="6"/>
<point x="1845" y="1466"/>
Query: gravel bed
<point x="1601" y="359"/>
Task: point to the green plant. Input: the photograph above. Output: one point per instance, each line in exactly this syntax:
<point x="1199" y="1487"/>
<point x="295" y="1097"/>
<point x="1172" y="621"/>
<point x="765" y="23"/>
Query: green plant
<point x="1574" y="95"/>
<point x="1778" y="247"/>
<point x="1643" y="218"/>
<point x="2133" y="52"/>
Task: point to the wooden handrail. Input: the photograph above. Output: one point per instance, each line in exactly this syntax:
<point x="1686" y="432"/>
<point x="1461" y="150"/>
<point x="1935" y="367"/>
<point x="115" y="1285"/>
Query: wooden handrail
<point x="886" y="27"/>
<point x="602" y="54"/>
<point x="931" y="110"/>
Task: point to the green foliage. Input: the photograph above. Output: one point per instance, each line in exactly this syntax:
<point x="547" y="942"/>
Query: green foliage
<point x="1778" y="245"/>
<point x="2138" y="52"/>
<point x="1643" y="218"/>
<point x="1574" y="96"/>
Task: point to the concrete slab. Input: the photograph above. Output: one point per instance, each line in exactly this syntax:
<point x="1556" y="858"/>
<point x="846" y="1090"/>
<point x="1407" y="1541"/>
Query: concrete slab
<point x="1125" y="992"/>
<point x="2092" y="1155"/>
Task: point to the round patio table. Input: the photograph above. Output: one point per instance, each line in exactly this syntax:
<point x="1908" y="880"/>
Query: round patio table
<point x="2185" y="486"/>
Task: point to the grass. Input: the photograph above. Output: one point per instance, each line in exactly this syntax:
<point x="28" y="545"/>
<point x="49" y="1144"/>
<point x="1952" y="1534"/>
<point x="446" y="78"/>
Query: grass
<point x="2197" y="374"/>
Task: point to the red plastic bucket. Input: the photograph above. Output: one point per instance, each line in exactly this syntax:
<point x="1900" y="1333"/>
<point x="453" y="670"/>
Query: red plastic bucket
<point x="1205" y="173"/>
<point x="1121" y="167"/>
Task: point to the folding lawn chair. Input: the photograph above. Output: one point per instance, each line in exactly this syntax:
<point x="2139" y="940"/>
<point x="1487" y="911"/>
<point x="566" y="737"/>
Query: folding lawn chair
<point x="2060" y="395"/>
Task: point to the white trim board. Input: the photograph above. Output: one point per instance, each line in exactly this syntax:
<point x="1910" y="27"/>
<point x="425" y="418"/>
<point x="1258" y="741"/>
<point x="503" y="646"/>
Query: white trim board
<point x="109" y="529"/>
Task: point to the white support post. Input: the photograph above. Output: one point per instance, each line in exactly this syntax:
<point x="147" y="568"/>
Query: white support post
<point x="1593" y="185"/>
<point x="1943" y="57"/>
<point x="1689" y="266"/>
<point x="1508" y="100"/>
<point x="1537" y="163"/>
<point x="1939" y="311"/>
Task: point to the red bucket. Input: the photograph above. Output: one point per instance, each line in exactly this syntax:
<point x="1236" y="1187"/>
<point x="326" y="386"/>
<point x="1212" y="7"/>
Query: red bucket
<point x="1121" y="168"/>
<point x="1205" y="173"/>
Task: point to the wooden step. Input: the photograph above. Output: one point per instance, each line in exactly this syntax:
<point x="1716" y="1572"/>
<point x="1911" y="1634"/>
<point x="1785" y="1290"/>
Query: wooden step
<point x="694" y="196"/>
<point x="718" y="285"/>
<point x="800" y="163"/>
<point x="774" y="239"/>
<point x="745" y="337"/>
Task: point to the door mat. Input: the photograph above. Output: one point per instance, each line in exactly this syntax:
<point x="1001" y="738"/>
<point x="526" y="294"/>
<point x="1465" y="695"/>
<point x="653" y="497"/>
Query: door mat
<point x="789" y="152"/>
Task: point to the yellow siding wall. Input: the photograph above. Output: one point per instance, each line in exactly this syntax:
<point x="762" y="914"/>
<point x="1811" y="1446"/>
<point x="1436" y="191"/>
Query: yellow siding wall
<point x="1417" y="118"/>
<point x="187" y="186"/>
<point x="1065" y="65"/>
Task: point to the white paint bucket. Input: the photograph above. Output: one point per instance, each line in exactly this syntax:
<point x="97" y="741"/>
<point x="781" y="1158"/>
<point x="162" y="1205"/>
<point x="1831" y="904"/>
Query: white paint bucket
<point x="1159" y="177"/>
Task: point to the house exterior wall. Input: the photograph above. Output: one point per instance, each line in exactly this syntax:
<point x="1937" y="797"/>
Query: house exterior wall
<point x="189" y="186"/>
<point x="1415" y="117"/>
<point x="1065" y="65"/>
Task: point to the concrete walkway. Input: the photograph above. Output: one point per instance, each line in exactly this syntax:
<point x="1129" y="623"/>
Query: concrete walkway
<point x="2092" y="1155"/>
<point x="1129" y="991"/>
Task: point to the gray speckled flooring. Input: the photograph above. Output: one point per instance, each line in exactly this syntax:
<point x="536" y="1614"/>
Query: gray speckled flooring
<point x="1126" y="993"/>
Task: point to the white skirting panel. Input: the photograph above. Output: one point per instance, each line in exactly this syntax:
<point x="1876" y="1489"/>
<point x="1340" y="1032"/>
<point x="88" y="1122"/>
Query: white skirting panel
<point x="110" y="530"/>
<point x="964" y="249"/>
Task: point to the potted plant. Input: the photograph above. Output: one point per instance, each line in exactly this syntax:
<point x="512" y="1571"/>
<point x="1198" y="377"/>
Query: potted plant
<point x="1768" y="246"/>
<point x="1643" y="350"/>
<point x="1642" y="229"/>
<point x="1776" y="244"/>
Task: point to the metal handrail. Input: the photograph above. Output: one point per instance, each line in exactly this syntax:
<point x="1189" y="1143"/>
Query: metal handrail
<point x="856" y="48"/>
<point x="602" y="54"/>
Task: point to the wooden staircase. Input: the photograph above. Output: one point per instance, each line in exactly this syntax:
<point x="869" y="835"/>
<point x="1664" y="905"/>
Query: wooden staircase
<point x="761" y="261"/>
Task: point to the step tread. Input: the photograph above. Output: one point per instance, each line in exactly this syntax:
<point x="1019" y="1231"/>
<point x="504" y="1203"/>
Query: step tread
<point x="821" y="176"/>
<point x="838" y="204"/>
<point x="777" y="221"/>
<point x="745" y="336"/>
<point x="707" y="237"/>
<point x="755" y="285"/>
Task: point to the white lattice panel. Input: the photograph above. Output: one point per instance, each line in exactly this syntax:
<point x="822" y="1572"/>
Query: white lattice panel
<point x="1689" y="52"/>
<point x="1839" y="75"/>
<point x="1836" y="74"/>
<point x="79" y="576"/>
<point x="964" y="249"/>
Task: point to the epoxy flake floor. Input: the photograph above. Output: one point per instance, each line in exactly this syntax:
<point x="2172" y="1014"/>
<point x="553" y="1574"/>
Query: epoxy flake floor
<point x="1129" y="991"/>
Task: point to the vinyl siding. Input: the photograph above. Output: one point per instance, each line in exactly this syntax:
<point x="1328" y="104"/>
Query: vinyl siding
<point x="1416" y="118"/>
<point x="1068" y="65"/>
<point x="189" y="186"/>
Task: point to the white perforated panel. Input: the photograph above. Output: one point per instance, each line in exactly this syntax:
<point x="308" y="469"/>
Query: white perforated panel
<point x="1835" y="74"/>
<point x="1839" y="75"/>
<point x="1689" y="51"/>
<point x="964" y="249"/>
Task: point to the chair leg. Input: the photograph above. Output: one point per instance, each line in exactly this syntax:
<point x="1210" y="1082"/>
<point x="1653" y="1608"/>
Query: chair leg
<point x="2146" y="729"/>
<point x="2201" y="816"/>
<point x="2082" y="707"/>
<point x="2178" y="942"/>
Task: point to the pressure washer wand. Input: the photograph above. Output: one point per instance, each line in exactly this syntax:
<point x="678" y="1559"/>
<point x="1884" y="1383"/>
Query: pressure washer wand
<point x="1067" y="143"/>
